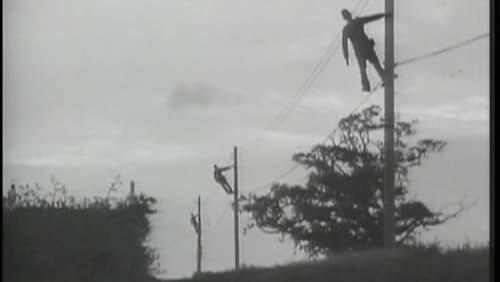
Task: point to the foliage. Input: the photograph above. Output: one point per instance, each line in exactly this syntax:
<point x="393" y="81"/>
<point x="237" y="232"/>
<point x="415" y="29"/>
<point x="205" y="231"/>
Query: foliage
<point x="341" y="205"/>
<point x="56" y="238"/>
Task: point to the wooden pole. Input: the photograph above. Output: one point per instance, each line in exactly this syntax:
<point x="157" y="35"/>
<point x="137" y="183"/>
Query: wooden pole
<point x="389" y="223"/>
<point x="236" y="213"/>
<point x="199" y="236"/>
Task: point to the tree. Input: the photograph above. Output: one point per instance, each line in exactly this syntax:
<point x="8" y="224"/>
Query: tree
<point x="340" y="207"/>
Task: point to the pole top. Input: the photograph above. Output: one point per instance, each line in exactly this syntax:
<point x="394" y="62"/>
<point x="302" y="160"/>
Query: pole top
<point x="132" y="187"/>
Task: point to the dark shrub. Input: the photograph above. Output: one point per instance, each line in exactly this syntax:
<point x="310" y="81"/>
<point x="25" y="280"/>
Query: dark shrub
<point x="79" y="242"/>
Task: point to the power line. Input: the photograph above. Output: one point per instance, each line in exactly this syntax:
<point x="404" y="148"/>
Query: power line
<point x="281" y="176"/>
<point x="303" y="90"/>
<point x="333" y="48"/>
<point x="367" y="97"/>
<point x="444" y="50"/>
<point x="305" y="87"/>
<point x="294" y="167"/>
<point x="325" y="59"/>
<point x="361" y="103"/>
<point x="414" y="59"/>
<point x="311" y="78"/>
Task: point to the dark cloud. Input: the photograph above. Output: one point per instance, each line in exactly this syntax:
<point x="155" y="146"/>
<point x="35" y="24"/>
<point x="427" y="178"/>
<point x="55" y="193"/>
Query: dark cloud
<point x="185" y="95"/>
<point x="204" y="95"/>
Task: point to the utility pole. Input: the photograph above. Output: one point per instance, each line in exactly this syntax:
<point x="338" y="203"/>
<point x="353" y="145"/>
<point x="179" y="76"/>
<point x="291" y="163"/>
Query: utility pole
<point x="389" y="177"/>
<point x="132" y="199"/>
<point x="198" y="268"/>
<point x="236" y="213"/>
<point x="196" y="223"/>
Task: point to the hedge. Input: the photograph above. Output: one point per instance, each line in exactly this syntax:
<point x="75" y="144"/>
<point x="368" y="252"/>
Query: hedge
<point x="90" y="243"/>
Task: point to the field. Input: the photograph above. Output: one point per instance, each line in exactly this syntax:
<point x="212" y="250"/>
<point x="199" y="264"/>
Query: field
<point x="422" y="264"/>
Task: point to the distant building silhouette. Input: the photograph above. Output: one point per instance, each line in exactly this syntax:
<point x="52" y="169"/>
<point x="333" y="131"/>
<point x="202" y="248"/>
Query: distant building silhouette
<point x="12" y="197"/>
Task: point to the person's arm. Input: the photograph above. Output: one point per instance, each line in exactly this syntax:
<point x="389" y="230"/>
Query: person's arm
<point x="225" y="168"/>
<point x="371" y="18"/>
<point x="345" y="49"/>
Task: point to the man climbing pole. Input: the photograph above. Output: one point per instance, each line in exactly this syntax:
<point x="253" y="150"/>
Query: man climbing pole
<point x="219" y="178"/>
<point x="195" y="222"/>
<point x="362" y="45"/>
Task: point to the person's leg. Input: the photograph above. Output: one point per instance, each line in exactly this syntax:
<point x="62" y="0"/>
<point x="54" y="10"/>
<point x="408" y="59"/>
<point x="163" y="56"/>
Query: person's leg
<point x="364" y="77"/>
<point x="222" y="184"/>
<point x="223" y="187"/>
<point x="227" y="187"/>
<point x="378" y="67"/>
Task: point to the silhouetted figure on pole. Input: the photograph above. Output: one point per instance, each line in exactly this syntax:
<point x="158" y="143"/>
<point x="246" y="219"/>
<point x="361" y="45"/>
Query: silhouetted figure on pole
<point x="219" y="178"/>
<point x="195" y="222"/>
<point x="362" y="45"/>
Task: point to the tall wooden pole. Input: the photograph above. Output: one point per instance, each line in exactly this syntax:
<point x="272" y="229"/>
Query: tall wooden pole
<point x="198" y="268"/>
<point x="236" y="213"/>
<point x="389" y="223"/>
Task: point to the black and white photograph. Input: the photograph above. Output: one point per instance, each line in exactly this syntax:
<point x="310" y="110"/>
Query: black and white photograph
<point x="252" y="141"/>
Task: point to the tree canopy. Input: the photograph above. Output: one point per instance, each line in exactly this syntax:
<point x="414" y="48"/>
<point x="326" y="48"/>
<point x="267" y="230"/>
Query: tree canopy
<point x="340" y="207"/>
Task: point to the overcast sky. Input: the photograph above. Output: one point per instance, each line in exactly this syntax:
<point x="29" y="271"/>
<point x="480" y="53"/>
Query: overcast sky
<point x="158" y="91"/>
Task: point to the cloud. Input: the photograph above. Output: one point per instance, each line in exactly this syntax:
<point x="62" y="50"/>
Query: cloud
<point x="104" y="152"/>
<point x="191" y="95"/>
<point x="205" y="95"/>
<point x="99" y="75"/>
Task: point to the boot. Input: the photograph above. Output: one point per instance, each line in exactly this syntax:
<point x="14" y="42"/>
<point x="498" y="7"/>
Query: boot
<point x="366" y="86"/>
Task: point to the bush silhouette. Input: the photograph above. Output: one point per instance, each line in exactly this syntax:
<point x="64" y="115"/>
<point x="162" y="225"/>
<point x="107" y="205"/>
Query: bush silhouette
<point x="76" y="241"/>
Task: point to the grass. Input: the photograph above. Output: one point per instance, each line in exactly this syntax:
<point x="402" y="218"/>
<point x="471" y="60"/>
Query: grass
<point x="411" y="264"/>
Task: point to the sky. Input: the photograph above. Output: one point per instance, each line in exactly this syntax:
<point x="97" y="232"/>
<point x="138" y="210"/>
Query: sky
<point x="159" y="91"/>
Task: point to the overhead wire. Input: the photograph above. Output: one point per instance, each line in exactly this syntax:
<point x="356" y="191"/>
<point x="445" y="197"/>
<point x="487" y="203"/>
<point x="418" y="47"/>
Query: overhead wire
<point x="332" y="49"/>
<point x="311" y="78"/>
<point x="308" y="83"/>
<point x="366" y="98"/>
<point x="356" y="107"/>
<point x="304" y="88"/>
<point x="444" y="50"/>
<point x="281" y="176"/>
<point x="295" y="166"/>
<point x="302" y="91"/>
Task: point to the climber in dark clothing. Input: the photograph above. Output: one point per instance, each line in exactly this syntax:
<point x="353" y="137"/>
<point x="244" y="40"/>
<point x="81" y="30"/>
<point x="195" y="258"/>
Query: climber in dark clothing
<point x="195" y="222"/>
<point x="362" y="45"/>
<point x="219" y="177"/>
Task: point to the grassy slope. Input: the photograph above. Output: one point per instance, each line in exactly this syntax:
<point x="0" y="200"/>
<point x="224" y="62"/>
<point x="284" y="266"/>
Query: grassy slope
<point x="404" y="265"/>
